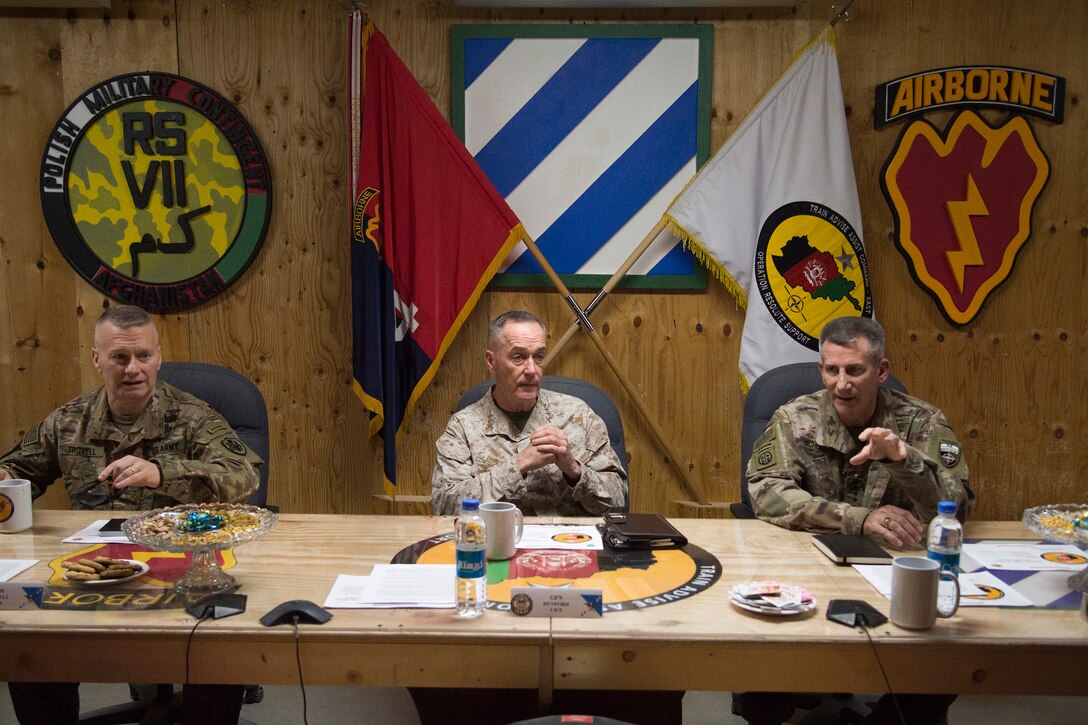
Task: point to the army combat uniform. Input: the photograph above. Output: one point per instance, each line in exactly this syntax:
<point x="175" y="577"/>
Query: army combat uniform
<point x="199" y="455"/>
<point x="800" y="475"/>
<point x="477" y="457"/>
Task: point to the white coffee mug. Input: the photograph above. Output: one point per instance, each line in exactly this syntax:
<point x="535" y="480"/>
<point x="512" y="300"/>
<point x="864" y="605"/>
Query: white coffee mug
<point x="16" y="513"/>
<point x="915" y="584"/>
<point x="504" y="528"/>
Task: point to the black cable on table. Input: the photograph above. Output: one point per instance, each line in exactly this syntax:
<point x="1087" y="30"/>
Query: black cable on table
<point x="887" y="683"/>
<point x="298" y="661"/>
<point x="189" y="640"/>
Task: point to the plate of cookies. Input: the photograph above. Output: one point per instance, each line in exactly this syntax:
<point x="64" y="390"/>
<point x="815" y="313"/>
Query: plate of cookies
<point x="103" y="571"/>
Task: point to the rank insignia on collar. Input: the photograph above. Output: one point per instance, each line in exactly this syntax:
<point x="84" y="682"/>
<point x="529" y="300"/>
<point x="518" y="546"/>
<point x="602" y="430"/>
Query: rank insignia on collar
<point x="949" y="453"/>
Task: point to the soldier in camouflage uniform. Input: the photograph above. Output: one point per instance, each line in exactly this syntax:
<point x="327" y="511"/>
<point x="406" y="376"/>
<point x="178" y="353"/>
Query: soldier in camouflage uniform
<point x="856" y="458"/>
<point x="547" y="452"/>
<point x="132" y="444"/>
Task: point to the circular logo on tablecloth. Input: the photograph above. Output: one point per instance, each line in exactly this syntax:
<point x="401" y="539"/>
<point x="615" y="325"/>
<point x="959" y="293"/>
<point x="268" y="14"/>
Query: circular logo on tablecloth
<point x="156" y="190"/>
<point x="661" y="575"/>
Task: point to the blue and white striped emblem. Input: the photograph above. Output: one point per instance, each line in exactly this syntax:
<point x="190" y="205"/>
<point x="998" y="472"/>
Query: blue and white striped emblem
<point x="588" y="138"/>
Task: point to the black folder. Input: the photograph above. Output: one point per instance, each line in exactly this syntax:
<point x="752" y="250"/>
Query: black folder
<point x="640" y="531"/>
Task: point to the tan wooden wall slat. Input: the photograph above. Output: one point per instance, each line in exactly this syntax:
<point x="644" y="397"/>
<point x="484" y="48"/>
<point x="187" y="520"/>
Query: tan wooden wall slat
<point x="1012" y="382"/>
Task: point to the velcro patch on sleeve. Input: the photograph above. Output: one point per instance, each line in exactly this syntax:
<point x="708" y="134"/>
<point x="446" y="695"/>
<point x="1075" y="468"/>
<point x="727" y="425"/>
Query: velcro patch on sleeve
<point x="32" y="435"/>
<point x="949" y="452"/>
<point x="765" y="455"/>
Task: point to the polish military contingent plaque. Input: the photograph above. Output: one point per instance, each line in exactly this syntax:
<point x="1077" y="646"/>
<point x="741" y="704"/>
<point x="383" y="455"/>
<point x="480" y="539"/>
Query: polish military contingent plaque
<point x="156" y="190"/>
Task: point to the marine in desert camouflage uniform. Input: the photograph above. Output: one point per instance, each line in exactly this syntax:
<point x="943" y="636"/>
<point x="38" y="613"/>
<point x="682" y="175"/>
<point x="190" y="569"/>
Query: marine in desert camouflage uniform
<point x="134" y="443"/>
<point x="546" y="452"/>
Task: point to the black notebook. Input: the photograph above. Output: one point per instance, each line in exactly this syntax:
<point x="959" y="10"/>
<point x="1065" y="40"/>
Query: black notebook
<point x="851" y="549"/>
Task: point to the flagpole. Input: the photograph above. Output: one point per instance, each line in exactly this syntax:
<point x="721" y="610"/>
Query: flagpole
<point x="583" y="320"/>
<point x="640" y="250"/>
<point x="841" y="15"/>
<point x="615" y="279"/>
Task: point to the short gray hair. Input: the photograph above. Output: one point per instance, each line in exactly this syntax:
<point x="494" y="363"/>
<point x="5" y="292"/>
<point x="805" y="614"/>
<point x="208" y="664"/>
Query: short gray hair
<point x="847" y="330"/>
<point x="495" y="327"/>
<point x="124" y="316"/>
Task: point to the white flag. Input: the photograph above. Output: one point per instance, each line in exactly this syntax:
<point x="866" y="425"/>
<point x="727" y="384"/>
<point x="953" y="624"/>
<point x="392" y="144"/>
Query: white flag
<point x="775" y="215"/>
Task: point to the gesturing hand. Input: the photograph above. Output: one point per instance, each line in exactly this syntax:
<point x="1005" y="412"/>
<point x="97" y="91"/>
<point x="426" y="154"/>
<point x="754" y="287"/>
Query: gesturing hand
<point x="881" y="445"/>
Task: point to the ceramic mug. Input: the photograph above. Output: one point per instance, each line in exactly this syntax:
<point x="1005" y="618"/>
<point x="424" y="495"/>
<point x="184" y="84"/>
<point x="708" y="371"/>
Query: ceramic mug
<point x="504" y="528"/>
<point x="16" y="513"/>
<point x="915" y="583"/>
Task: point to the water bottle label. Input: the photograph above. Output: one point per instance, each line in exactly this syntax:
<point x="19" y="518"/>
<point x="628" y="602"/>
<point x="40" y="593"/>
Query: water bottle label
<point x="949" y="562"/>
<point x="471" y="564"/>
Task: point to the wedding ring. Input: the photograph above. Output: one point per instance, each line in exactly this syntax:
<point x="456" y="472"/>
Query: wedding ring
<point x="132" y="469"/>
<point x="887" y="521"/>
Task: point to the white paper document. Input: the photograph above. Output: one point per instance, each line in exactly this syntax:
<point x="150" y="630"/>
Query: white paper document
<point x="93" y="534"/>
<point x="10" y="568"/>
<point x="577" y="538"/>
<point x="978" y="589"/>
<point x="421" y="586"/>
<point x="1026" y="556"/>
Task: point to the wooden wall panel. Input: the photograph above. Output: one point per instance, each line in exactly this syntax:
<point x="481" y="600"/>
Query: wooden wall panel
<point x="1011" y="382"/>
<point x="1009" y="379"/>
<point x="286" y="323"/>
<point x="48" y="58"/>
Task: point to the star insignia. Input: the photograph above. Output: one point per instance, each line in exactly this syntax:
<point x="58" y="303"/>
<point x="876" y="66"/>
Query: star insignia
<point x="846" y="259"/>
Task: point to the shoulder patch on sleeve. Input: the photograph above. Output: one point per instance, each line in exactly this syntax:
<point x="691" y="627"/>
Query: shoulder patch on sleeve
<point x="234" y="445"/>
<point x="765" y="453"/>
<point x="32" y="435"/>
<point x="949" y="452"/>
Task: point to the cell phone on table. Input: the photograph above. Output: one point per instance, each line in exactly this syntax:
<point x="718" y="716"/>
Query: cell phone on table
<point x="112" y="526"/>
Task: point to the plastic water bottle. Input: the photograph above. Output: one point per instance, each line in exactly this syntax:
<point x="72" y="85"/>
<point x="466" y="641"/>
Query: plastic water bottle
<point x="471" y="535"/>
<point x="945" y="537"/>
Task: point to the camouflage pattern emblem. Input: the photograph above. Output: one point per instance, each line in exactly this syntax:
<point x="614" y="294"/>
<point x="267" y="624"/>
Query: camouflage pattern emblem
<point x="963" y="204"/>
<point x="810" y="268"/>
<point x="156" y="190"/>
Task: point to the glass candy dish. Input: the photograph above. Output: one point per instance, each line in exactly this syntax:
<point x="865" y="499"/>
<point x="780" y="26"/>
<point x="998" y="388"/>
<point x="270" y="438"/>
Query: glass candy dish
<point x="202" y="529"/>
<point x="1063" y="523"/>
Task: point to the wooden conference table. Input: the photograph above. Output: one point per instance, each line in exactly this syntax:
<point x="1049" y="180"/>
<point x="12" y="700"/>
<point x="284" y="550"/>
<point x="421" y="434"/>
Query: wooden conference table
<point x="698" y="643"/>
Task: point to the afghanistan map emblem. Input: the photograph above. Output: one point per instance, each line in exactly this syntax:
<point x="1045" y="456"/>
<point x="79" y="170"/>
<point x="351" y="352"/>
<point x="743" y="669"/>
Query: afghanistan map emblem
<point x="810" y="267"/>
<point x="156" y="190"/>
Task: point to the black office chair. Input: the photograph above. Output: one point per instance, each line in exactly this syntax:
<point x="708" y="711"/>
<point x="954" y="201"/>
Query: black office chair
<point x="233" y="396"/>
<point x="594" y="397"/>
<point x="240" y="402"/>
<point x="768" y="393"/>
